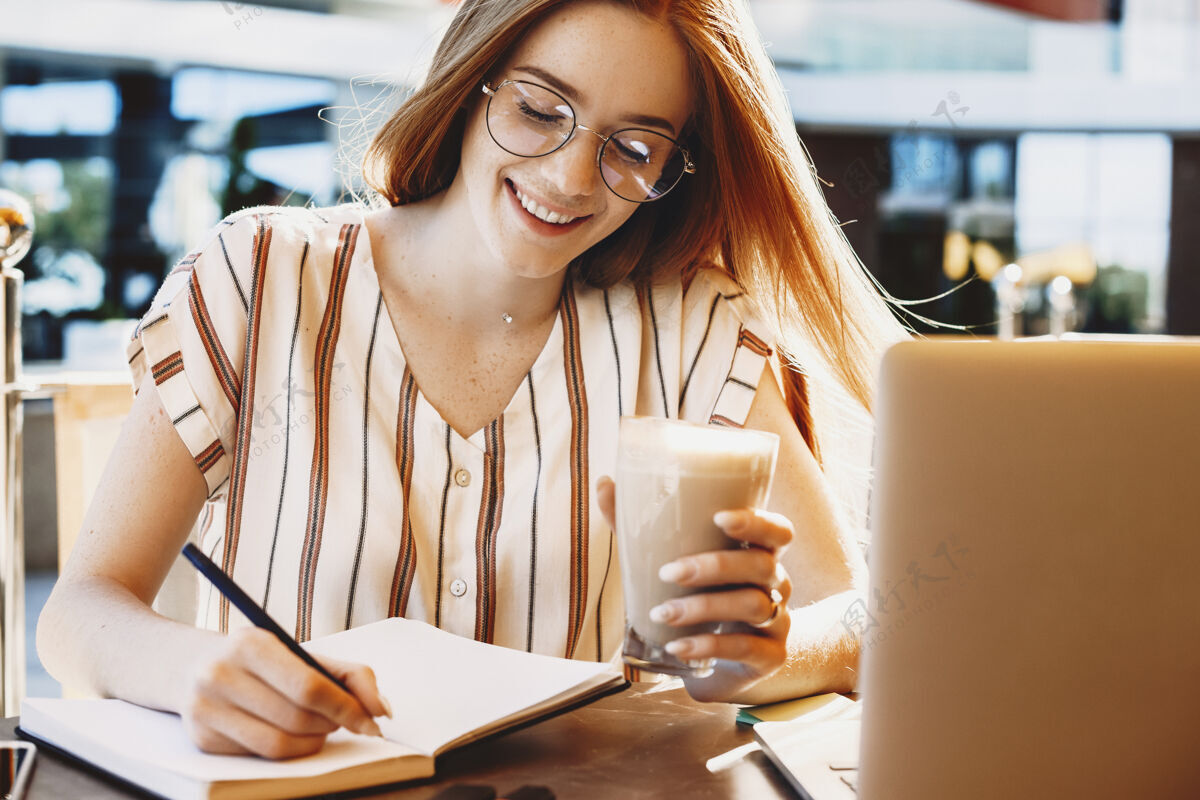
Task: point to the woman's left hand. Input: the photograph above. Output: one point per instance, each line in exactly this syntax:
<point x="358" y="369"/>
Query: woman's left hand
<point x="756" y="648"/>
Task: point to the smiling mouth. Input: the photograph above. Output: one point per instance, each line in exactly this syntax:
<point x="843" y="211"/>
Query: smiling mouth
<point x="536" y="209"/>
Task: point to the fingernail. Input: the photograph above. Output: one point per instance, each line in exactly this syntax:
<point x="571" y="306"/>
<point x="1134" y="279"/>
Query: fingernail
<point x="387" y="707"/>
<point x="675" y="571"/>
<point x="680" y="647"/>
<point x="729" y="521"/>
<point x="665" y="612"/>
<point x="370" y="728"/>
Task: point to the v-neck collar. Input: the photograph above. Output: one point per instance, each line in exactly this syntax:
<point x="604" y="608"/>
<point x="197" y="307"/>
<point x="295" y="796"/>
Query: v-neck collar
<point x="394" y="349"/>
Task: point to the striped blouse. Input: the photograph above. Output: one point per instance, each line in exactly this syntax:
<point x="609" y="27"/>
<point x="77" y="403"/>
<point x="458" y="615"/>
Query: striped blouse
<point x="339" y="496"/>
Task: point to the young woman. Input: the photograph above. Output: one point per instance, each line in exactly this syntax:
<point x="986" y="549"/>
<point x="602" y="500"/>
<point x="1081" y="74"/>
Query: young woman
<point x="593" y="208"/>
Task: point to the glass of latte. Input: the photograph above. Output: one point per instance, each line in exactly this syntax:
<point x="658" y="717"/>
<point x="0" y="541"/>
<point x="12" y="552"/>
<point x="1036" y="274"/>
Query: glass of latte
<point x="672" y="477"/>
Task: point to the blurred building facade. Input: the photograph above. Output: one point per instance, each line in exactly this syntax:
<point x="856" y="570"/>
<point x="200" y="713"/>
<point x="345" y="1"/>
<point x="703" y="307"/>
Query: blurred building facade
<point x="952" y="137"/>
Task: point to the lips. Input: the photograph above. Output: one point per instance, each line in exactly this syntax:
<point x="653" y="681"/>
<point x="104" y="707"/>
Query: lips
<point x="542" y="219"/>
<point x="540" y="211"/>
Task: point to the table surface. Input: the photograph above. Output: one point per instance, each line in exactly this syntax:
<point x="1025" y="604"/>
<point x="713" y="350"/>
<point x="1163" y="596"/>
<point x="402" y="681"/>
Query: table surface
<point x="644" y="742"/>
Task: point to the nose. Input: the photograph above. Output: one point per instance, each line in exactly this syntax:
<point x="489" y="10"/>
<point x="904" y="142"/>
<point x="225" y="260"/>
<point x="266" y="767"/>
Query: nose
<point x="573" y="166"/>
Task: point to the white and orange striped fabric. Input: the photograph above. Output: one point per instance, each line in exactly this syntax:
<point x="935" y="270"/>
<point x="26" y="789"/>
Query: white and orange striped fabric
<point x="339" y="496"/>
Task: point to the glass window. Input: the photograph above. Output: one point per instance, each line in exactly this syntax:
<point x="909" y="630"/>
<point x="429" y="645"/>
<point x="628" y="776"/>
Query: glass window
<point x="1108" y="191"/>
<point x="77" y="108"/>
<point x="923" y="163"/>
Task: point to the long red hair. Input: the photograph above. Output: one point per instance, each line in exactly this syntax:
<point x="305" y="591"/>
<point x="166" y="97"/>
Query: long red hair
<point x="753" y="207"/>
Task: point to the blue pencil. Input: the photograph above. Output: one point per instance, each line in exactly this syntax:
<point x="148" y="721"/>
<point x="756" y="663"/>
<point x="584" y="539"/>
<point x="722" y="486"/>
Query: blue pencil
<point x="253" y="611"/>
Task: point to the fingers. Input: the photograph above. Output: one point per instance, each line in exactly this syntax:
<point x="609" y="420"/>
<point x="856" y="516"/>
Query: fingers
<point x="252" y="694"/>
<point x="751" y="604"/>
<point x="265" y="657"/>
<point x="218" y="727"/>
<point x="224" y="683"/>
<point x="361" y="680"/>
<point x="759" y="655"/>
<point x="766" y="533"/>
<point x="606" y="497"/>
<point x="721" y="567"/>
<point x="756" y="527"/>
<point x="210" y="741"/>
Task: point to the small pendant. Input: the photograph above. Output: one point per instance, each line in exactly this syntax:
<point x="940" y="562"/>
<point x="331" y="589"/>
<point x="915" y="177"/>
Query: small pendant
<point x="507" y="318"/>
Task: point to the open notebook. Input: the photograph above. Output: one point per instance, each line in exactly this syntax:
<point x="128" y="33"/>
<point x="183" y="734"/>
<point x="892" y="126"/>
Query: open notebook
<point x="445" y="690"/>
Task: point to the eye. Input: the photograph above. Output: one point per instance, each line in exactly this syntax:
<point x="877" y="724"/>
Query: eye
<point x="538" y="115"/>
<point x="633" y="151"/>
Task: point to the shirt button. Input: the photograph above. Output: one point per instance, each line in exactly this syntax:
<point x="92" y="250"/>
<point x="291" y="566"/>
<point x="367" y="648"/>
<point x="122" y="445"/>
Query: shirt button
<point x="462" y="477"/>
<point x="458" y="587"/>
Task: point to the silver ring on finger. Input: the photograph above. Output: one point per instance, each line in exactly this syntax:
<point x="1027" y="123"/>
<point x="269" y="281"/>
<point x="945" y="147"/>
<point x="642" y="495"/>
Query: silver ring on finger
<point x="776" y="598"/>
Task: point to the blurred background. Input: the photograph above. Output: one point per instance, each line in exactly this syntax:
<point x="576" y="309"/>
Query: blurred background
<point x="954" y="139"/>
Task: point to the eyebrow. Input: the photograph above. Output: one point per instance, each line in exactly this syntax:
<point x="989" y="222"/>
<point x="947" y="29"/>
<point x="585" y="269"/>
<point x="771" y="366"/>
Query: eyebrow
<point x="573" y="94"/>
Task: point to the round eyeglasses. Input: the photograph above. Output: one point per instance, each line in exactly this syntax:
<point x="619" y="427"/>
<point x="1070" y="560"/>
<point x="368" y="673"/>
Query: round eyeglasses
<point x="529" y="120"/>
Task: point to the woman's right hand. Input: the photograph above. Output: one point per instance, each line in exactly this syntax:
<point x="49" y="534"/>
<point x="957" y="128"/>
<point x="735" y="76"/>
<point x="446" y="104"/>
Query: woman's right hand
<point x="250" y="694"/>
<point x="242" y="693"/>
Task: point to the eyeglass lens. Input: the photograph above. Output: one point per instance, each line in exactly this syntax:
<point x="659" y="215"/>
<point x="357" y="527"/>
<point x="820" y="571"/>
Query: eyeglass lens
<point x="528" y="120"/>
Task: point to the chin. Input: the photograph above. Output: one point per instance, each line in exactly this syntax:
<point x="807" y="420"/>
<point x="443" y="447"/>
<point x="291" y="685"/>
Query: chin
<point x="528" y="255"/>
<point x="532" y="267"/>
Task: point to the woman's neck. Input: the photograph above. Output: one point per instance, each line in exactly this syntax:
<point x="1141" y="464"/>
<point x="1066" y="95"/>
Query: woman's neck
<point x="429" y="256"/>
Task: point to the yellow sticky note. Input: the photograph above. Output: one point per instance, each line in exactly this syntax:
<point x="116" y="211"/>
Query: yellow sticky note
<point x="814" y="708"/>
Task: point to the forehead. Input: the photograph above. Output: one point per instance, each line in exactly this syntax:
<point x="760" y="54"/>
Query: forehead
<point x="621" y="62"/>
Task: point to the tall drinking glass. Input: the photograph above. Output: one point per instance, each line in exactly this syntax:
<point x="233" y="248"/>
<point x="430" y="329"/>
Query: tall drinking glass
<point x="672" y="477"/>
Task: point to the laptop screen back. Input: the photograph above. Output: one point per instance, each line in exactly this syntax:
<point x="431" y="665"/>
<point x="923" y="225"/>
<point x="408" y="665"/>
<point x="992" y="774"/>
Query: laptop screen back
<point x="1033" y="627"/>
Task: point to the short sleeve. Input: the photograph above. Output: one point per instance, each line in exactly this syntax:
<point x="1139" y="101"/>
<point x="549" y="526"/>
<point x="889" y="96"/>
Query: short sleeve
<point x="192" y="342"/>
<point x="725" y="347"/>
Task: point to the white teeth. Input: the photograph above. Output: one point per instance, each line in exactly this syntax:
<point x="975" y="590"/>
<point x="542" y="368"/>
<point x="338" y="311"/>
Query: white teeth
<point x="541" y="212"/>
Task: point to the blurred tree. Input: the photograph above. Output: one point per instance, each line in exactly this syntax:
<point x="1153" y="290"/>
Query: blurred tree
<point x="1116" y="301"/>
<point x="244" y="188"/>
<point x="82" y="222"/>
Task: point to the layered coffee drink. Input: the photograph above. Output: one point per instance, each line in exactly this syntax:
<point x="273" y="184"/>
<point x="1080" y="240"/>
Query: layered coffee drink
<point x="672" y="477"/>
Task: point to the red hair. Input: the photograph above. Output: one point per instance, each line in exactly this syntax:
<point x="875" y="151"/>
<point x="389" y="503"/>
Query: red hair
<point x="753" y="207"/>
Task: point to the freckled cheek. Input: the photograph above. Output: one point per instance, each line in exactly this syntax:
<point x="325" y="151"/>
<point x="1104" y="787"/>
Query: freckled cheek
<point x="480" y="159"/>
<point x="484" y="186"/>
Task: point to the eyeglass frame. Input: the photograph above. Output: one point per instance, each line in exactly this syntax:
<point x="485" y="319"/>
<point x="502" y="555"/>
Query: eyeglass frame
<point x="689" y="167"/>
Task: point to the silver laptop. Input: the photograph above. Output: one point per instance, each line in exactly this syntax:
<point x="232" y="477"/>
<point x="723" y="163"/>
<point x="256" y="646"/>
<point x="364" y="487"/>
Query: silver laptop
<point x="1033" y="626"/>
